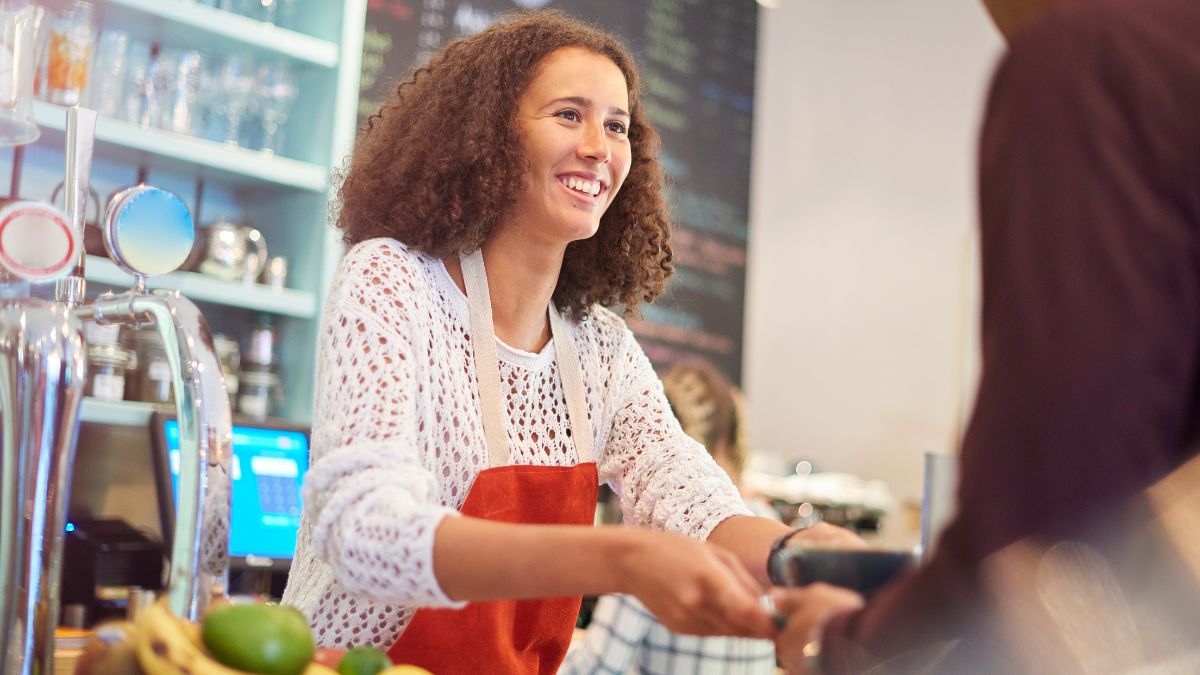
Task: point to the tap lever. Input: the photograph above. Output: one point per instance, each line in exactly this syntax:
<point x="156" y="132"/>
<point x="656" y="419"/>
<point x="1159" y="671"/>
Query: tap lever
<point x="81" y="139"/>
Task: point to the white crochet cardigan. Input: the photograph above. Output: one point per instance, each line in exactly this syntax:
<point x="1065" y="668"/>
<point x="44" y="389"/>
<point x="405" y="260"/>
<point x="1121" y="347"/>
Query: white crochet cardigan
<point x="397" y="440"/>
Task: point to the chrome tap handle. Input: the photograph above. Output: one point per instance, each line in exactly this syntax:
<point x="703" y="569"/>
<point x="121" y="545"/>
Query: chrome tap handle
<point x="149" y="231"/>
<point x="200" y="542"/>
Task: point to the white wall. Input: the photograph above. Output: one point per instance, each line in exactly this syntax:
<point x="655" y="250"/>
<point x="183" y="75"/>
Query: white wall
<point x="862" y="297"/>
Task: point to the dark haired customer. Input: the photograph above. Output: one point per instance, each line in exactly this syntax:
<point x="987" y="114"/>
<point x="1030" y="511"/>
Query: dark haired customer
<point x="1090" y="235"/>
<point x="464" y="418"/>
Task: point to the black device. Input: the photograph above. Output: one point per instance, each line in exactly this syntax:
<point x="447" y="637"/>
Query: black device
<point x="102" y="560"/>
<point x="270" y="459"/>
<point x="864" y="571"/>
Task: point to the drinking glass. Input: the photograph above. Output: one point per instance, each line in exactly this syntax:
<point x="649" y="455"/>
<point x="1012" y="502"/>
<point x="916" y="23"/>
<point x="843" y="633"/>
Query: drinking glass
<point x="106" y="84"/>
<point x="277" y="92"/>
<point x="18" y="65"/>
<point x="72" y="39"/>
<point x="135" y="105"/>
<point x="237" y="80"/>
<point x="181" y="73"/>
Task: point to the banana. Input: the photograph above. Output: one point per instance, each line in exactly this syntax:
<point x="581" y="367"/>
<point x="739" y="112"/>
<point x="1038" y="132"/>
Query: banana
<point x="166" y="646"/>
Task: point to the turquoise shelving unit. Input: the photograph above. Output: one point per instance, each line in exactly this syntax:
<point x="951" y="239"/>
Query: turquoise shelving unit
<point x="285" y="196"/>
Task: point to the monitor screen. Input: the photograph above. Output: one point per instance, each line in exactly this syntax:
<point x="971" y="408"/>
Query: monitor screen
<point x="267" y="468"/>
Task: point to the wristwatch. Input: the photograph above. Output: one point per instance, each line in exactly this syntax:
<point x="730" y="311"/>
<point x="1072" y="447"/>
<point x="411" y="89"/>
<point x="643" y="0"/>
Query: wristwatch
<point x="776" y="571"/>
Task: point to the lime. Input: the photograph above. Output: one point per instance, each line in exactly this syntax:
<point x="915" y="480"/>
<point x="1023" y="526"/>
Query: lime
<point x="258" y="638"/>
<point x="364" y="660"/>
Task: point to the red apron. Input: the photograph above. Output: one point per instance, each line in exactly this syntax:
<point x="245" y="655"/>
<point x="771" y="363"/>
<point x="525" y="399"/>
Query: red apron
<point x="510" y="636"/>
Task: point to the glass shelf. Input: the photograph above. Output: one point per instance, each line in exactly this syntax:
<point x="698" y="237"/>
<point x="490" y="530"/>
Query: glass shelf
<point x="203" y="288"/>
<point x="187" y="24"/>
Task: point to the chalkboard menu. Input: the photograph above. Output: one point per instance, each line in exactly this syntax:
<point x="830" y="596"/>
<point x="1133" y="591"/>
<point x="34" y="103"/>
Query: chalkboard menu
<point x="697" y="62"/>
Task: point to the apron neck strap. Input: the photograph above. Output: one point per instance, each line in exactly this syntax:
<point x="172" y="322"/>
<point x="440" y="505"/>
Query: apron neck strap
<point x="487" y="368"/>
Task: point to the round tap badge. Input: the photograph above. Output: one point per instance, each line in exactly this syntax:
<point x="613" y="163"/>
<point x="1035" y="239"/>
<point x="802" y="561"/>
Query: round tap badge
<point x="36" y="244"/>
<point x="148" y="230"/>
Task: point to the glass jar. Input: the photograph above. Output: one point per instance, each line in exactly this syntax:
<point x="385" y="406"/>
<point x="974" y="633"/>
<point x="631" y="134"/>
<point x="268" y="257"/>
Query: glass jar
<point x="230" y="356"/>
<point x="257" y="393"/>
<point x="102" y="333"/>
<point x="106" y="371"/>
<point x="153" y="375"/>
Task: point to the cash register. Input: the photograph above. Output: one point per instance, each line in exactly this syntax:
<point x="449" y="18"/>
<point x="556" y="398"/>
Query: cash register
<point x="270" y="460"/>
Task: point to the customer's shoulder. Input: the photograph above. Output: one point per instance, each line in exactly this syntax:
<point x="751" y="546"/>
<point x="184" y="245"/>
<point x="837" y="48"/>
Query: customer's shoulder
<point x="1097" y="32"/>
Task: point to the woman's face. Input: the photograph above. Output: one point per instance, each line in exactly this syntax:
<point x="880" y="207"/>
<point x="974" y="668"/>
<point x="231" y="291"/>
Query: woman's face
<point x="574" y="124"/>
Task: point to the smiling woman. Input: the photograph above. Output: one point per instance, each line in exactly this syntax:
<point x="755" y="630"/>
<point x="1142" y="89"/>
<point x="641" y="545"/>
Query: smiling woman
<point x="441" y="162"/>
<point x="473" y="388"/>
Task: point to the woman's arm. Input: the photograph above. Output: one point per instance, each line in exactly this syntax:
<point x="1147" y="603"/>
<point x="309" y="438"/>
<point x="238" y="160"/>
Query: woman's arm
<point x="690" y="586"/>
<point x="370" y="503"/>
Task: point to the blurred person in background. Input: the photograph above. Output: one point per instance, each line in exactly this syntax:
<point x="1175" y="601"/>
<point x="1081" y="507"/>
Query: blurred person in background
<point x="622" y="633"/>
<point x="1090" y="239"/>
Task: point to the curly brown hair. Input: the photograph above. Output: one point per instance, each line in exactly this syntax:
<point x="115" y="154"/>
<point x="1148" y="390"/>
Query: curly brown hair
<point x="434" y="169"/>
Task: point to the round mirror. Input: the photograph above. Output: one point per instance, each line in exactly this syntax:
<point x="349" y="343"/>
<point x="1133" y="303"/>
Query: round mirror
<point x="148" y="231"/>
<point x="36" y="244"/>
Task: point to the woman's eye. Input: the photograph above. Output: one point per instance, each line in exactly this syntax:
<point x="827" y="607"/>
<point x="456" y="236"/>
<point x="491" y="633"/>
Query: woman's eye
<point x="570" y="115"/>
<point x="617" y="127"/>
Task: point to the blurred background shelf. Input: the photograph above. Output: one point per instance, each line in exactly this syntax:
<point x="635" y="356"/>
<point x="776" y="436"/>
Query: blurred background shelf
<point x="194" y="26"/>
<point x="122" y="413"/>
<point x="159" y="149"/>
<point x="284" y="195"/>
<point x="204" y="288"/>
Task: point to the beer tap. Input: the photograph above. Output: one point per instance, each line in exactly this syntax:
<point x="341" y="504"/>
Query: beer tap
<point x="147" y="231"/>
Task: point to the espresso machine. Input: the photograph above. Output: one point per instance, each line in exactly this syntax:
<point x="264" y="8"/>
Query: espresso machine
<point x="147" y="231"/>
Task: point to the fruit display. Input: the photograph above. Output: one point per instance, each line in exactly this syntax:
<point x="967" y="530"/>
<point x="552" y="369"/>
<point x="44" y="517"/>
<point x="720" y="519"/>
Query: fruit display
<point x="232" y="639"/>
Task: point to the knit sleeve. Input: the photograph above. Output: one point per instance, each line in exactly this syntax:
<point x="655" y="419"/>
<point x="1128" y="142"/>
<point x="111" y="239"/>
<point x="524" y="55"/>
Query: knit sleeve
<point x="666" y="480"/>
<point x="371" y="501"/>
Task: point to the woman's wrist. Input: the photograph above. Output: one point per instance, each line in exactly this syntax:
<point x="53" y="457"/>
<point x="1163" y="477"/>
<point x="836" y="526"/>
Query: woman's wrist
<point x="618" y="549"/>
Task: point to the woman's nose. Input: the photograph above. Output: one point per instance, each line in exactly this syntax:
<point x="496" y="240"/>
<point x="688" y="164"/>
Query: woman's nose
<point x="594" y="144"/>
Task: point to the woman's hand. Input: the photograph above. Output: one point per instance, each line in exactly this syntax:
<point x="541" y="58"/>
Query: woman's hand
<point x="807" y="610"/>
<point x="692" y="587"/>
